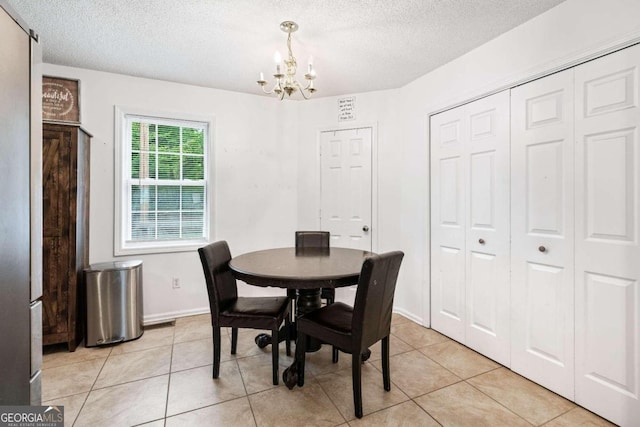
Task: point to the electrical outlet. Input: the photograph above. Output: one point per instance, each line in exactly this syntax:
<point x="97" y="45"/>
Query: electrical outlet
<point x="175" y="282"/>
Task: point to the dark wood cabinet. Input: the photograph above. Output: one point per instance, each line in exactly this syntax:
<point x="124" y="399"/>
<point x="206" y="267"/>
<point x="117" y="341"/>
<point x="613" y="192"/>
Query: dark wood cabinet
<point x="65" y="173"/>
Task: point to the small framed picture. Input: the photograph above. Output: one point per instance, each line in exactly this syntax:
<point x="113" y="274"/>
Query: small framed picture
<point x="60" y="99"/>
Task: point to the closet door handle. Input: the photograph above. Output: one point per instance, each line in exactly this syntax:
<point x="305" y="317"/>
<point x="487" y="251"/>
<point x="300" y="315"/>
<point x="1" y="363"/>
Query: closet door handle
<point x="481" y="241"/>
<point x="542" y="249"/>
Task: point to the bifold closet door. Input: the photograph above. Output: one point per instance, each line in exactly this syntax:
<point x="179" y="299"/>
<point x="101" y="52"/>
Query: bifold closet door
<point x="607" y="251"/>
<point x="542" y="212"/>
<point x="487" y="227"/>
<point x="448" y="175"/>
<point x="470" y="225"/>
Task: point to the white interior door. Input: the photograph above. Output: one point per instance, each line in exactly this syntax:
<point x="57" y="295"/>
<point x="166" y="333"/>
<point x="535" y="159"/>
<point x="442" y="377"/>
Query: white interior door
<point x="487" y="227"/>
<point x="345" y="157"/>
<point x="448" y="175"/>
<point x="542" y="322"/>
<point x="346" y="192"/>
<point x="607" y="246"/>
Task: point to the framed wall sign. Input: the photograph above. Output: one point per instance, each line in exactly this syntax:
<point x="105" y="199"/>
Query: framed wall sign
<point x="346" y="108"/>
<point x="60" y="99"/>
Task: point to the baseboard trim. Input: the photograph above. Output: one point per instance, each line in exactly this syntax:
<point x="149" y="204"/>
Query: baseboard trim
<point x="154" y="319"/>
<point x="409" y="316"/>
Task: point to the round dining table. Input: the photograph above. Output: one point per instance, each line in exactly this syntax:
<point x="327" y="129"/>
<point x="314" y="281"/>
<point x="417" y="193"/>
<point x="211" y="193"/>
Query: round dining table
<point x="306" y="270"/>
<point x="300" y="268"/>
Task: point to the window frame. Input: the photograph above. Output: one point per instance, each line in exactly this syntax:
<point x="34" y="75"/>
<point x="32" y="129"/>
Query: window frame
<point x="122" y="197"/>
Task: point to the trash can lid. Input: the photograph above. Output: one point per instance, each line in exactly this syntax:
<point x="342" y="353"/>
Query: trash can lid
<point x="114" y="265"/>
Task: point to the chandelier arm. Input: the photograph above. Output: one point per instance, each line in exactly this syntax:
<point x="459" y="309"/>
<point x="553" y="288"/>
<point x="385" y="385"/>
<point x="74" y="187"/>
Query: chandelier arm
<point x="306" y="87"/>
<point x="302" y="90"/>
<point x="268" y="92"/>
<point x="303" y="95"/>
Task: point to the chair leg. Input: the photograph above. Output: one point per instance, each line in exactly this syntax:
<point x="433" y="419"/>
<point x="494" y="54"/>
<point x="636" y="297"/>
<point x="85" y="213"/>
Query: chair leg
<point x="334" y="357"/>
<point x="301" y="345"/>
<point x="356" y="374"/>
<point x="287" y="335"/>
<point x="274" y="354"/>
<point x="386" y="377"/>
<point x="234" y="340"/>
<point x="216" y="351"/>
<point x="291" y="294"/>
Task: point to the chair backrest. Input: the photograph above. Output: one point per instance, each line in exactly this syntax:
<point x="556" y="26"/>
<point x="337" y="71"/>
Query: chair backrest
<point x="374" y="298"/>
<point x="221" y="284"/>
<point x="312" y="239"/>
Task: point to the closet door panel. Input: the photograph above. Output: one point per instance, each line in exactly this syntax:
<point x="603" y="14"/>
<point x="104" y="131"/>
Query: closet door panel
<point x="448" y="159"/>
<point x="487" y="231"/>
<point x="607" y="242"/>
<point x="542" y="304"/>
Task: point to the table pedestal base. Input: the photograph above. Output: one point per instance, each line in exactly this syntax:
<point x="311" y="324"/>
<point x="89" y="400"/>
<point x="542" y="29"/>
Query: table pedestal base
<point x="308" y="300"/>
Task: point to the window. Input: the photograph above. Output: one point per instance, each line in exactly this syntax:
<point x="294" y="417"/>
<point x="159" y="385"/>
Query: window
<point x="164" y="186"/>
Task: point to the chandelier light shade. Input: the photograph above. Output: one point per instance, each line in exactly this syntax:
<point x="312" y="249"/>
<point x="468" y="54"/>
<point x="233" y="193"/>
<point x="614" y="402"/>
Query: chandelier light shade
<point x="287" y="83"/>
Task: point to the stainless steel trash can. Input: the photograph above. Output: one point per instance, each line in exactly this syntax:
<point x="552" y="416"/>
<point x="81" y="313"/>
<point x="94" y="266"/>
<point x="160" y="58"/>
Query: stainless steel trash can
<point x="113" y="296"/>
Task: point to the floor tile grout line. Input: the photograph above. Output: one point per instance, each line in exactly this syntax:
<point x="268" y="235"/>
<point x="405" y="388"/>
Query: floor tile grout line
<point x="536" y="384"/>
<point x="409" y="398"/>
<point x="371" y="362"/>
<point x="500" y="366"/>
<point x="166" y="405"/>
<point x="344" y="418"/>
<point x="234" y="359"/>
<point x="499" y="403"/>
<point x="91" y="388"/>
<point x="423" y="409"/>
<point x="244" y="385"/>
<point x="75" y="363"/>
<point x="201" y="407"/>
<point x="253" y="414"/>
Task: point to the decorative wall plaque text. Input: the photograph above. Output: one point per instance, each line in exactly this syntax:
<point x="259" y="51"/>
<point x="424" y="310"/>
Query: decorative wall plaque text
<point x="346" y="108"/>
<point x="60" y="99"/>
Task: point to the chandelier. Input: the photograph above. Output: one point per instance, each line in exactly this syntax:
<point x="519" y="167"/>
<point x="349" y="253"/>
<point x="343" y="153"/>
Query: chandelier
<point x="287" y="82"/>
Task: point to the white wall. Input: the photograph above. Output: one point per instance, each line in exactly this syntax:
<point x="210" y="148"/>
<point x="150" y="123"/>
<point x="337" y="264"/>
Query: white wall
<point x="564" y="34"/>
<point x="380" y="110"/>
<point x="267" y="169"/>
<point x="255" y="158"/>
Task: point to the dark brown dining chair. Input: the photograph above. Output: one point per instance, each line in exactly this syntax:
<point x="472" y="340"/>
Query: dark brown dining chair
<point x="354" y="329"/>
<point x="316" y="239"/>
<point x="312" y="239"/>
<point x="230" y="310"/>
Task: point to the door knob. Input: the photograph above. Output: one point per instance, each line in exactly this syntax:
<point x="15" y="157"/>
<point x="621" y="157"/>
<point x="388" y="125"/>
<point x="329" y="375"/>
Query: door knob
<point x="542" y="249"/>
<point x="481" y="241"/>
<point x="365" y="228"/>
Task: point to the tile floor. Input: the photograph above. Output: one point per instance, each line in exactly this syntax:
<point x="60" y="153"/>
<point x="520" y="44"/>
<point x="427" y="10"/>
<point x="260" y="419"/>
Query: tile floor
<point x="164" y="379"/>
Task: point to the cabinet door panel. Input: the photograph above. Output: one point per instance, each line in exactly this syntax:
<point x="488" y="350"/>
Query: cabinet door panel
<point x="542" y="232"/>
<point x="56" y="219"/>
<point x="607" y="241"/>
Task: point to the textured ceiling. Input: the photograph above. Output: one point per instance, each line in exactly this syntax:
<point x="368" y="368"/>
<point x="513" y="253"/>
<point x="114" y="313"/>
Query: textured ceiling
<point x="357" y="45"/>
